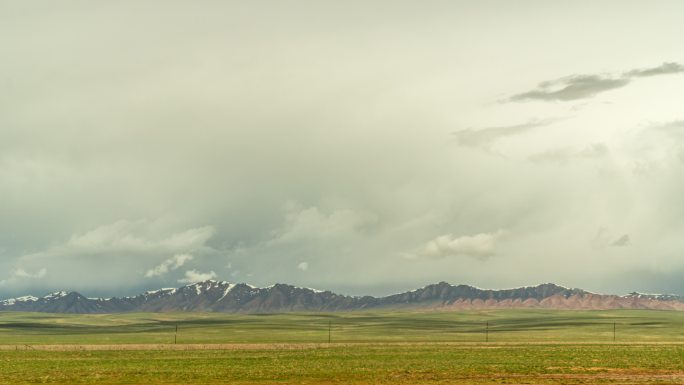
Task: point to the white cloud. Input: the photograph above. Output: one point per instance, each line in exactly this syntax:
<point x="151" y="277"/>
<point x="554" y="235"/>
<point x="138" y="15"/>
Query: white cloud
<point x="140" y="238"/>
<point x="20" y="274"/>
<point x="312" y="223"/>
<point x="172" y="263"/>
<point x="189" y="239"/>
<point x="148" y="248"/>
<point x="193" y="275"/>
<point x="137" y="236"/>
<point x="479" y="246"/>
<point x="304" y="266"/>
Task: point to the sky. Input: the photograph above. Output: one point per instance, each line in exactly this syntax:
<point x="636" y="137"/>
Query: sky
<point x="364" y="147"/>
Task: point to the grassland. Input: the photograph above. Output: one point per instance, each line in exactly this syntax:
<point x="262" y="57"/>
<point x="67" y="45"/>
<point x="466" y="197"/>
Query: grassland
<point x="206" y="328"/>
<point x="535" y="347"/>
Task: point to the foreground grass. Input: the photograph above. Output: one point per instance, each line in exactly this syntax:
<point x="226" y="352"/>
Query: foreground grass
<point x="369" y="364"/>
<point x="525" y="346"/>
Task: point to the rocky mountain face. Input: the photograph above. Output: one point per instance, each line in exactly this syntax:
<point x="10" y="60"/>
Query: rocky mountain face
<point x="213" y="296"/>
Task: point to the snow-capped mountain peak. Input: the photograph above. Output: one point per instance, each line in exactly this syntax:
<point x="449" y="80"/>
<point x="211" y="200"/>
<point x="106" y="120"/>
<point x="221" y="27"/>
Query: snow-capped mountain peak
<point x="162" y="291"/>
<point x="56" y="294"/>
<point x="12" y="301"/>
<point x="205" y="286"/>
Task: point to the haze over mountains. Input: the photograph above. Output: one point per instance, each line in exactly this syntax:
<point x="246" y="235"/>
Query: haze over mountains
<point x="221" y="296"/>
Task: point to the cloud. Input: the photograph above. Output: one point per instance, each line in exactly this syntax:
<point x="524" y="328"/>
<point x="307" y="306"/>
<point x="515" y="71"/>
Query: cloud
<point x="604" y="239"/>
<point x="188" y="239"/>
<point x="303" y="266"/>
<point x="577" y="87"/>
<point x="674" y="128"/>
<point x="20" y="274"/>
<point x="125" y="235"/>
<point x="479" y="246"/>
<point x="564" y="154"/>
<point x="120" y="251"/>
<point x="219" y="124"/>
<point x="484" y="137"/>
<point x="311" y="223"/>
<point x="172" y="263"/>
<point x="192" y="276"/>
<point x="130" y="237"/>
<point x="623" y="241"/>
<point x="571" y="88"/>
<point x="656" y="146"/>
<point x="663" y="69"/>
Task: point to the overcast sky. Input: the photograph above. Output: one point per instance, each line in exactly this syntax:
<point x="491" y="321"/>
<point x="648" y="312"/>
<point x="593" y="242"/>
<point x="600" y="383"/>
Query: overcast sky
<point x="365" y="147"/>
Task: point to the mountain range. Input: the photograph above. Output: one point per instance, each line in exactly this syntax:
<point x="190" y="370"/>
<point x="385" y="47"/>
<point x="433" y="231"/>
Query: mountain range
<point x="221" y="296"/>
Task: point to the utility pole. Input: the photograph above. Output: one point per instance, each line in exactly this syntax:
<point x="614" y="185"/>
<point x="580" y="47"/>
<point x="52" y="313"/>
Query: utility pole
<point x="329" y="328"/>
<point x="175" y="336"/>
<point x="487" y="332"/>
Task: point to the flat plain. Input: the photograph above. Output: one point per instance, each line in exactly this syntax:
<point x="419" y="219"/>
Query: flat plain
<point x="503" y="346"/>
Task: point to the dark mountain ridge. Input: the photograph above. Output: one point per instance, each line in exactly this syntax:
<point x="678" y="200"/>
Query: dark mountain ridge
<point x="215" y="296"/>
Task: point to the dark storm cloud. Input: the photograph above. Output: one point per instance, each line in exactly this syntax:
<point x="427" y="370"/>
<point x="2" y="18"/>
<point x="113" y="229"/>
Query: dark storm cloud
<point x="623" y="241"/>
<point x="663" y="69"/>
<point x="571" y="88"/>
<point x="585" y="86"/>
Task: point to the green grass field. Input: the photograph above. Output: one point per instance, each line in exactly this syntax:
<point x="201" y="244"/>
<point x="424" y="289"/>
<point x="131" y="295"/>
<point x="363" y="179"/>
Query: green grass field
<point x="530" y="346"/>
<point x="203" y="328"/>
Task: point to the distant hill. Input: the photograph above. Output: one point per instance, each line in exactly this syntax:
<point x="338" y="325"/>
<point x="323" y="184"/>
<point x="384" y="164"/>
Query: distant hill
<point x="215" y="296"/>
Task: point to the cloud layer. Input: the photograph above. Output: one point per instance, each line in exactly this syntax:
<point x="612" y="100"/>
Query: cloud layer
<point x="21" y="276"/>
<point x="111" y="254"/>
<point x="273" y="142"/>
<point x="577" y="87"/>
<point x="485" y="137"/>
<point x="479" y="246"/>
